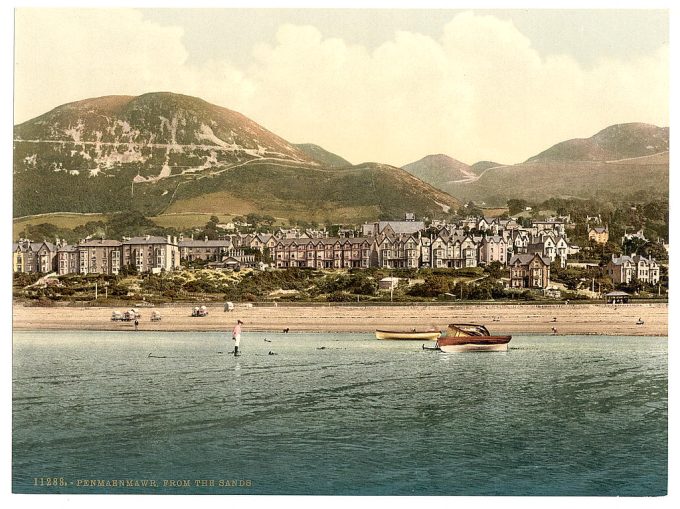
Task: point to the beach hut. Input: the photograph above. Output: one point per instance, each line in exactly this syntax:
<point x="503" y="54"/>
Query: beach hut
<point x="617" y="297"/>
<point x="156" y="316"/>
<point x="228" y="306"/>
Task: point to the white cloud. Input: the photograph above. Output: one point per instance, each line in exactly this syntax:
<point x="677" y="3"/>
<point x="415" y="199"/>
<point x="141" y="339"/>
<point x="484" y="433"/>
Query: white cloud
<point x="479" y="92"/>
<point x="67" y="55"/>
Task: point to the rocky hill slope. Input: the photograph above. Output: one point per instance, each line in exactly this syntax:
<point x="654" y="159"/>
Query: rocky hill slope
<point x="164" y="151"/>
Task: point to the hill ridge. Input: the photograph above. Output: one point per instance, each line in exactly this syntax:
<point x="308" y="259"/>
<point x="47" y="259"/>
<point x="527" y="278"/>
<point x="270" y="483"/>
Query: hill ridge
<point x="165" y="152"/>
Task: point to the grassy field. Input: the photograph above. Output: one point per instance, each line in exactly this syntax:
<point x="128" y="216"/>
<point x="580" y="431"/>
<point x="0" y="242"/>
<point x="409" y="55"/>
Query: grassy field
<point x="220" y="202"/>
<point x="494" y="212"/>
<point x="188" y="220"/>
<point x="61" y="219"/>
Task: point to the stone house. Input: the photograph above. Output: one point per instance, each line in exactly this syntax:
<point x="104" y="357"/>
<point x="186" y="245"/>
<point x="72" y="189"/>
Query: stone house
<point x="622" y="269"/>
<point x="493" y="248"/>
<point x="599" y="234"/>
<point x="31" y="257"/>
<point x="151" y="253"/>
<point x="399" y="251"/>
<point x="455" y="251"/>
<point x="67" y="259"/>
<point x="98" y="256"/>
<point x="554" y="247"/>
<point x="529" y="271"/>
<point x="207" y="250"/>
<point x="324" y="253"/>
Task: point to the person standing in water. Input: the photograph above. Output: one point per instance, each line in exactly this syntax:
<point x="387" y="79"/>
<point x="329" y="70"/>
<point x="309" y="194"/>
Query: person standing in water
<point x="236" y="336"/>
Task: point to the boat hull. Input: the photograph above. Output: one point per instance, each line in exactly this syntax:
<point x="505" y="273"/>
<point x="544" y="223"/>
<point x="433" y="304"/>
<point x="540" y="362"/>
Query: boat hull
<point x="471" y="338"/>
<point x="408" y="335"/>
<point x="471" y="347"/>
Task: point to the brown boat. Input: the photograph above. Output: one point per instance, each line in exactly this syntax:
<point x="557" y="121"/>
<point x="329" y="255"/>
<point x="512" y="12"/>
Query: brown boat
<point x="468" y="337"/>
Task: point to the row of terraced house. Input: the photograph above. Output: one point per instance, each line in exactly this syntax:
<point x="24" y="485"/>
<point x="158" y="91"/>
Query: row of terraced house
<point x="104" y="256"/>
<point x="403" y="244"/>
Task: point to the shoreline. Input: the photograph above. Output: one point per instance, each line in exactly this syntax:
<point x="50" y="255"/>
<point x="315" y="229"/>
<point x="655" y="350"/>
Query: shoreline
<point x="582" y="319"/>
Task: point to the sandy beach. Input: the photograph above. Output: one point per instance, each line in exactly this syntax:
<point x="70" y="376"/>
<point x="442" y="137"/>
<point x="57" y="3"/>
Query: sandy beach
<point x="514" y="319"/>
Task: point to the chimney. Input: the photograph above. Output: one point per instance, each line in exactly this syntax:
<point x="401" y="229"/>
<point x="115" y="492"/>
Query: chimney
<point x="181" y="237"/>
<point x="169" y="240"/>
<point x="174" y="239"/>
<point x="205" y="239"/>
<point x="147" y="237"/>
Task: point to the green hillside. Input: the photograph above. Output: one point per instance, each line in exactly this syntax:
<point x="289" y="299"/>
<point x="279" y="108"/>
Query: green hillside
<point x="355" y="194"/>
<point x="168" y="152"/>
<point x="620" y="161"/>
<point x="322" y="156"/>
<point x="438" y="169"/>
<point x="620" y="141"/>
<point x="541" y="180"/>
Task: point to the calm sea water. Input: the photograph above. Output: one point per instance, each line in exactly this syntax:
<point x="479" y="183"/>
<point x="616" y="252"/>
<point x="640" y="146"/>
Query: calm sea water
<point x="337" y="414"/>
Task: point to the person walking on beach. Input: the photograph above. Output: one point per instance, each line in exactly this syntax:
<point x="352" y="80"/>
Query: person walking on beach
<point x="236" y="336"/>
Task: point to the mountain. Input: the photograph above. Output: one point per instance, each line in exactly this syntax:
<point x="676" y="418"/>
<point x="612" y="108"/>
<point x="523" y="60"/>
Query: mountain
<point x="481" y="166"/>
<point x="165" y="152"/>
<point x="621" y="141"/>
<point x="171" y="127"/>
<point x="322" y="156"/>
<point x="644" y="178"/>
<point x="620" y="161"/>
<point x="439" y="169"/>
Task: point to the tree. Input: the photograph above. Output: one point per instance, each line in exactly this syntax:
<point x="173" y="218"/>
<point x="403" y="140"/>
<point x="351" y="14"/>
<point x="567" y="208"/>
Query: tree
<point x="656" y="210"/>
<point x="655" y="250"/>
<point x="129" y="224"/>
<point x="633" y="246"/>
<point x="268" y="220"/>
<point x="253" y="219"/>
<point x="515" y="206"/>
<point x="210" y="229"/>
<point x="495" y="270"/>
<point x="432" y="287"/>
<point x="472" y="210"/>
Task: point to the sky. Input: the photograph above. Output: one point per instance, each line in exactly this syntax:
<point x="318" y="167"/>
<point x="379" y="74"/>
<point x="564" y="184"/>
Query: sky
<point x="385" y="85"/>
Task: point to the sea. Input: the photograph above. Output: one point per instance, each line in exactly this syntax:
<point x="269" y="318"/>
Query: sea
<point x="337" y="414"/>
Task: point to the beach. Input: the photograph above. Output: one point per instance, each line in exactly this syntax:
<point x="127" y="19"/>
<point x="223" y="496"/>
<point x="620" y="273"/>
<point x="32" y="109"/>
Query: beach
<point x="566" y="319"/>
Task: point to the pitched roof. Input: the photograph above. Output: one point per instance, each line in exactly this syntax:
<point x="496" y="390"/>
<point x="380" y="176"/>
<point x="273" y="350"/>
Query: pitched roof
<point x="620" y="260"/>
<point x="205" y="243"/>
<point x="148" y="239"/>
<point x="100" y="243"/>
<point x="401" y="226"/>
<point x="524" y="259"/>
